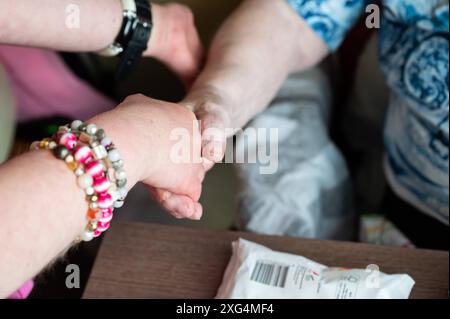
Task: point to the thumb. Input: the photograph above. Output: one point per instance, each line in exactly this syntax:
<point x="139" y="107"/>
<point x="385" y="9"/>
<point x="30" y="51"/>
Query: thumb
<point x="179" y="206"/>
<point x="214" y="123"/>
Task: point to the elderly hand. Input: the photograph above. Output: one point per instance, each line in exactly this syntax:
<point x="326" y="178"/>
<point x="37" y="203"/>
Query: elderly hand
<point x="212" y="111"/>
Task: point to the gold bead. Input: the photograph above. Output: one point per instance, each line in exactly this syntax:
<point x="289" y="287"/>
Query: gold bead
<point x="72" y="165"/>
<point x="44" y="143"/>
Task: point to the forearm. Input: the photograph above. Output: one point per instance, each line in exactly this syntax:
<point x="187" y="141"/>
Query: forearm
<point x="253" y="53"/>
<point x="47" y="24"/>
<point x="51" y="24"/>
<point x="43" y="210"/>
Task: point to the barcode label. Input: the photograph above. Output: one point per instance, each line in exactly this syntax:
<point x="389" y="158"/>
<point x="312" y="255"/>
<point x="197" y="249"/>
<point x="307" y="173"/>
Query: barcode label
<point x="270" y="274"/>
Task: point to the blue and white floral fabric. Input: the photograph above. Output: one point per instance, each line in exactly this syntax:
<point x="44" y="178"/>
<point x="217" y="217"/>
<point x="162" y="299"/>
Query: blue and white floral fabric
<point x="414" y="57"/>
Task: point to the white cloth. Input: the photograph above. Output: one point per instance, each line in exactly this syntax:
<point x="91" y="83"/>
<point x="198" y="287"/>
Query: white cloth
<point x="310" y="194"/>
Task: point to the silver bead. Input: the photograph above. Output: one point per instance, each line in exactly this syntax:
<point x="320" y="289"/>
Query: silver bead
<point x="100" y="134"/>
<point x="90" y="191"/>
<point x="69" y="158"/>
<point x="118" y="165"/>
<point x="75" y="124"/>
<point x="114" y="155"/>
<point x="118" y="203"/>
<point x="85" y="181"/>
<point x="61" y="152"/>
<point x="91" y="129"/>
<point x="120" y="174"/>
<point x="82" y="127"/>
<point x="106" y="141"/>
<point x="115" y="196"/>
<point x="79" y="171"/>
<point x="99" y="152"/>
<point x="121" y="183"/>
<point x="123" y="192"/>
<point x="93" y="205"/>
<point x="87" y="235"/>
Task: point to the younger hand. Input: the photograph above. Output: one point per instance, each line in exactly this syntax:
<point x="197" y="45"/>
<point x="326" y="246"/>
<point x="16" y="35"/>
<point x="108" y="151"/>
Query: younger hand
<point x="151" y="132"/>
<point x="175" y="41"/>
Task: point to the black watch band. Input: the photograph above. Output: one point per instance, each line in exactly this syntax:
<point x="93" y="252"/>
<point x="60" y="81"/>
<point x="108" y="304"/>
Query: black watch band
<point x="134" y="36"/>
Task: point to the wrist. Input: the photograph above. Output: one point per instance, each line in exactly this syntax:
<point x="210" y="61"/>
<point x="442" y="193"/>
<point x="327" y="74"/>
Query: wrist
<point x="128" y="140"/>
<point x="210" y="99"/>
<point x="171" y="22"/>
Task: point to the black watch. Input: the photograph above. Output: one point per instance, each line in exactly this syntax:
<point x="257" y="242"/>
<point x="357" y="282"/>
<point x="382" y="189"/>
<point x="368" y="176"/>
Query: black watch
<point x="133" y="37"/>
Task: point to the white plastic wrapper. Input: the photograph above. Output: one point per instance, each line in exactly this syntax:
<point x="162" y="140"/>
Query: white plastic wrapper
<point x="257" y="272"/>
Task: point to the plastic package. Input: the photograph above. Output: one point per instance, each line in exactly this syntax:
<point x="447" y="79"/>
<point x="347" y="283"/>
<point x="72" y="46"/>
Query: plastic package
<point x="257" y="272"/>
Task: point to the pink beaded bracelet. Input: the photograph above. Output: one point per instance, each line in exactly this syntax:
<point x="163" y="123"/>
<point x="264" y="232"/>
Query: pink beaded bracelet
<point x="96" y="162"/>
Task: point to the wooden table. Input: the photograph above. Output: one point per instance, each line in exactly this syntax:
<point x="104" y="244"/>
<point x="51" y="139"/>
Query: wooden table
<point x="154" y="261"/>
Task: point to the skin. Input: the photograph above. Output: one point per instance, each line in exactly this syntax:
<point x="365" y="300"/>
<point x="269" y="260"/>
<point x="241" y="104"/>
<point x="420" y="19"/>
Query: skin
<point x="174" y="41"/>
<point x="253" y="53"/>
<point x="46" y="210"/>
<point x="235" y="85"/>
<point x="251" y="56"/>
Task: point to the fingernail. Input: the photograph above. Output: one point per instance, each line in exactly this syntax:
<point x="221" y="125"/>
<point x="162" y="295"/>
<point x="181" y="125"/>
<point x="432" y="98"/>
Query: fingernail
<point x="176" y="215"/>
<point x="198" y="212"/>
<point x="165" y="196"/>
<point x="214" y="151"/>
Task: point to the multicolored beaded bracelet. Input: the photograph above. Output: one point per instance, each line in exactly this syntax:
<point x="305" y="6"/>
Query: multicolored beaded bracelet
<point x="96" y="162"/>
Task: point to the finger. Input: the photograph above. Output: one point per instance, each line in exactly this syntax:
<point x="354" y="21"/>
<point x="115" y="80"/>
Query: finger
<point x="214" y="119"/>
<point x="213" y="137"/>
<point x="207" y="164"/>
<point x="213" y="150"/>
<point x="198" y="211"/>
<point x="195" y="45"/>
<point x="179" y="206"/>
<point x="192" y="187"/>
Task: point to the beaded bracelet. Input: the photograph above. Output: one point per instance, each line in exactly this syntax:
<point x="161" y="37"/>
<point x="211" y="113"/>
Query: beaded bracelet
<point x="96" y="162"/>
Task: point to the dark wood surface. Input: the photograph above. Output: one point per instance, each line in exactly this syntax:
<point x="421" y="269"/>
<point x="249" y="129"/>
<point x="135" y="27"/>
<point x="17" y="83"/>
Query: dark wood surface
<point x="154" y="261"/>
